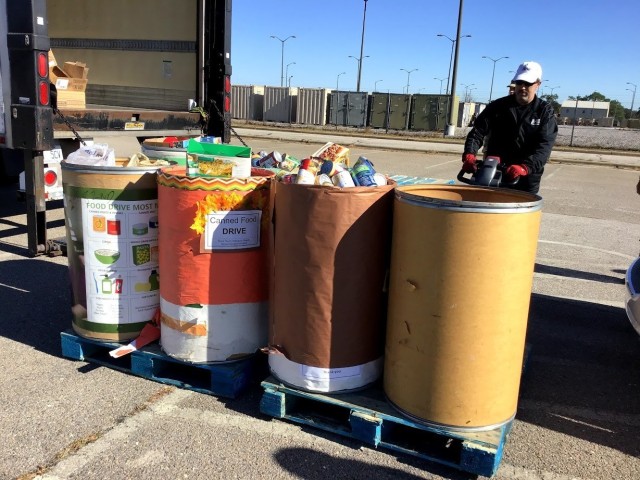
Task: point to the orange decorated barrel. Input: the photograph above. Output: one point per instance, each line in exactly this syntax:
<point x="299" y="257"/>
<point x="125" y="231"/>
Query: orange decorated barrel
<point x="462" y="261"/>
<point x="215" y="248"/>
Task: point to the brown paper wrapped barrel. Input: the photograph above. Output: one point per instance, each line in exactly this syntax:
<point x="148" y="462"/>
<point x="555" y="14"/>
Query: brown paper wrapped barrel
<point x="462" y="264"/>
<point x="331" y="259"/>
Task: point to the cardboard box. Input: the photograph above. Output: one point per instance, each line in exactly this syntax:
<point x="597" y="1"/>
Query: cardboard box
<point x="76" y="69"/>
<point x="71" y="99"/>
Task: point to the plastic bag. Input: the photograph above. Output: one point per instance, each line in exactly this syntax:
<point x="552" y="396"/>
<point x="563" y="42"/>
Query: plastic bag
<point x="98" y="154"/>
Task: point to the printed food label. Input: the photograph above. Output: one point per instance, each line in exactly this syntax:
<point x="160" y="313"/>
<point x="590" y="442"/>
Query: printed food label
<point x="121" y="260"/>
<point x="232" y="230"/>
<point x="330" y="373"/>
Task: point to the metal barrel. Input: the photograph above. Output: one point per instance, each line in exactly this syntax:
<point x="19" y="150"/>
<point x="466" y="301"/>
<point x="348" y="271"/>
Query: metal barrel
<point x="111" y="219"/>
<point x="216" y="253"/>
<point x="462" y="261"/>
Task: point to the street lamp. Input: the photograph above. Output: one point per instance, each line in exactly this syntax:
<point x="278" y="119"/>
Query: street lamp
<point x="286" y="75"/>
<point x="494" y="60"/>
<point x="441" y="80"/>
<point x="466" y="90"/>
<point x="338" y="80"/>
<point x="282" y="57"/>
<point x="633" y="98"/>
<point x="289" y="81"/>
<point x="408" y="76"/>
<point x="552" y="89"/>
<point x="364" y="18"/>
<point x="359" y="60"/>
<point x="375" y="85"/>
<point x="453" y="42"/>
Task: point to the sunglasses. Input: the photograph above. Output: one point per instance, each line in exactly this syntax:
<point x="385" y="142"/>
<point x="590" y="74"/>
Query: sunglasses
<point x="519" y="83"/>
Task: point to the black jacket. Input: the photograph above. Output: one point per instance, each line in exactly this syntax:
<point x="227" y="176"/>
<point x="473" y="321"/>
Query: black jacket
<point x="518" y="135"/>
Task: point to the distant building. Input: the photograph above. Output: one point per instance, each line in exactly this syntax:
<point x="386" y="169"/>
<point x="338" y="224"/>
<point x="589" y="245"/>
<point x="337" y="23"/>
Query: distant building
<point x="583" y="112"/>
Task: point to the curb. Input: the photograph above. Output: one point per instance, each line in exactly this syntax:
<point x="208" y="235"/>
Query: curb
<point x="631" y="161"/>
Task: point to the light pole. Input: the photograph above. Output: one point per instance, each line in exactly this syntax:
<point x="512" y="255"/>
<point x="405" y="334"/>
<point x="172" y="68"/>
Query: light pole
<point x="633" y="98"/>
<point x="450" y="129"/>
<point x="375" y="85"/>
<point x="338" y="80"/>
<point x="337" y="96"/>
<point x="359" y="60"/>
<point x="408" y="76"/>
<point x="441" y="80"/>
<point x="494" y="60"/>
<point x="553" y="88"/>
<point x="282" y="57"/>
<point x="286" y="74"/>
<point x="466" y="90"/>
<point x="453" y="42"/>
<point x="364" y="18"/>
<point x="289" y="81"/>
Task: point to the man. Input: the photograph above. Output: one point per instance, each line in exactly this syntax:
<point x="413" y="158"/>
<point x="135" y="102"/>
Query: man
<point x="512" y="88"/>
<point x="520" y="129"/>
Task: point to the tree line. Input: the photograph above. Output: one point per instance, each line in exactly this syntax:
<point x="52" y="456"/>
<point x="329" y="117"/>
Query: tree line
<point x="616" y="109"/>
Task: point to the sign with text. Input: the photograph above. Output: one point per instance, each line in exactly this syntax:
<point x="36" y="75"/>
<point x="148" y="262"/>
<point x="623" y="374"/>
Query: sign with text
<point x="232" y="230"/>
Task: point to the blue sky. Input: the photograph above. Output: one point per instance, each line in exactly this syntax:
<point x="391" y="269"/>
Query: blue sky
<point x="582" y="45"/>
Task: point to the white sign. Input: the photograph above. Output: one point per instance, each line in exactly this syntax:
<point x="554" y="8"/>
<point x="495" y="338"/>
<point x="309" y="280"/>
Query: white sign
<point x="232" y="230"/>
<point x="121" y="260"/>
<point x="330" y="373"/>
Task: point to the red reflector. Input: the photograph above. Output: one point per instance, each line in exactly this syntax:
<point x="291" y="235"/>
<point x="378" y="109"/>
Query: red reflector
<point x="43" y="89"/>
<point x="43" y="65"/>
<point x="227" y="104"/>
<point x="227" y="84"/>
<point x="50" y="178"/>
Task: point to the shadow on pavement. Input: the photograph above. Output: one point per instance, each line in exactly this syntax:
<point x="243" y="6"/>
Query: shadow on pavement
<point x="571" y="273"/>
<point x="36" y="300"/>
<point x="582" y="375"/>
<point x="309" y="464"/>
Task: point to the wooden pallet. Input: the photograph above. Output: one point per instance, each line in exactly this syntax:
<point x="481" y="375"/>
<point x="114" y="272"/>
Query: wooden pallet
<point x="227" y="379"/>
<point x="366" y="416"/>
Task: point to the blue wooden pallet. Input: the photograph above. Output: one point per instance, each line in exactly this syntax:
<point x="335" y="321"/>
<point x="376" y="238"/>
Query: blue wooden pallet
<point x="403" y="180"/>
<point x="226" y="379"/>
<point x="366" y="416"/>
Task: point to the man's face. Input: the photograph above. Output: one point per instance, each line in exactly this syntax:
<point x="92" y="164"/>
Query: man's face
<point x="525" y="91"/>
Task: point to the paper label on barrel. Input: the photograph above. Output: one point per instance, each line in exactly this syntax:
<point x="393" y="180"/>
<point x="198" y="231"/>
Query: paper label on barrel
<point x="330" y="373"/>
<point x="120" y="240"/>
<point x="232" y="230"/>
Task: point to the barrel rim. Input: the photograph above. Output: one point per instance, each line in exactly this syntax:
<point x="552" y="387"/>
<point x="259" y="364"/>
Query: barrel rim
<point x="404" y="194"/>
<point x="79" y="168"/>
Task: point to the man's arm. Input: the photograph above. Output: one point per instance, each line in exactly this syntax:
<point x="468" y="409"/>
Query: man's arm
<point x="543" y="145"/>
<point x="475" y="137"/>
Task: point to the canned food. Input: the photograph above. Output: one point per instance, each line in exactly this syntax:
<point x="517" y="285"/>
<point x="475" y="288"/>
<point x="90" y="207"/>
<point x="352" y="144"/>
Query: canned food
<point x="324" y="180"/>
<point x="380" y="179"/>
<point x="343" y="179"/>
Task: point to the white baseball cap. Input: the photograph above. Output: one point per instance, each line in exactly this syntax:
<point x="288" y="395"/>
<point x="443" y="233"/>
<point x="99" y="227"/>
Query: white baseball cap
<point x="529" y="72"/>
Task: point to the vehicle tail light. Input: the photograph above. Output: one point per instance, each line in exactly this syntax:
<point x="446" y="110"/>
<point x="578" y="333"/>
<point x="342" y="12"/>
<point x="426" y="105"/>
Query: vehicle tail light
<point x="43" y="92"/>
<point x="50" y="178"/>
<point x="43" y="65"/>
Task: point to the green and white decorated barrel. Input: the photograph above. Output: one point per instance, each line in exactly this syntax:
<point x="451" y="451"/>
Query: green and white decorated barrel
<point x="111" y="216"/>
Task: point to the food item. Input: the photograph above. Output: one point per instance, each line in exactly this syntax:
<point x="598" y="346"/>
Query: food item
<point x="107" y="256"/>
<point x="334" y="152"/>
<point x="215" y="168"/>
<point x="141" y="253"/>
<point x="99" y="223"/>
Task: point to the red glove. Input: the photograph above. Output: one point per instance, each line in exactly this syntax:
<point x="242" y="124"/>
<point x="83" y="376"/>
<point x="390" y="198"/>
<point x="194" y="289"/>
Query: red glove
<point x="514" y="171"/>
<point x="469" y="163"/>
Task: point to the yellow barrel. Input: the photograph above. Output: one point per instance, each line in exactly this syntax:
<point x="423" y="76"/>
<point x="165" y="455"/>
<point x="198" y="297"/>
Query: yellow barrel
<point x="462" y="261"/>
<point x="111" y="219"/>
